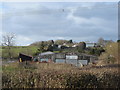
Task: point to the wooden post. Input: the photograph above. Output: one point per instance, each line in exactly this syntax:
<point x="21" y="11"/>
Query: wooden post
<point x="26" y="62"/>
<point x="77" y="63"/>
<point x="65" y="60"/>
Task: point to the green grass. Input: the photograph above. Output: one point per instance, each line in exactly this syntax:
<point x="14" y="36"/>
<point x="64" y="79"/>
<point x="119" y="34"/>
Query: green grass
<point x="10" y="67"/>
<point x="15" y="50"/>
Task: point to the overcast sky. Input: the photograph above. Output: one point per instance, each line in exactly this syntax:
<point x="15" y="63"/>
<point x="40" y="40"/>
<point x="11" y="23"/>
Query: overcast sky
<point x="79" y="21"/>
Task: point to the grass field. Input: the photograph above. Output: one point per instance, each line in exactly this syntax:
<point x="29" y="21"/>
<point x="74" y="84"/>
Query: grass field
<point x="52" y="75"/>
<point x="15" y="50"/>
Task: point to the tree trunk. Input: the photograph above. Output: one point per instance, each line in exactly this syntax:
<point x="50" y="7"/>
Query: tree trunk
<point x="9" y="52"/>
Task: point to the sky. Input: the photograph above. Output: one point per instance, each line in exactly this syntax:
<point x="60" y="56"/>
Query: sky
<point x="42" y="21"/>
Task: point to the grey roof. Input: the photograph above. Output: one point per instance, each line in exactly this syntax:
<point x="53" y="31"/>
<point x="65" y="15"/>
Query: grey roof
<point x="46" y="53"/>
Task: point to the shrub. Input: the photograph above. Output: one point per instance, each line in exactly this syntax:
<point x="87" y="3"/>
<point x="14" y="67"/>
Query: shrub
<point x="55" y="76"/>
<point x="82" y="81"/>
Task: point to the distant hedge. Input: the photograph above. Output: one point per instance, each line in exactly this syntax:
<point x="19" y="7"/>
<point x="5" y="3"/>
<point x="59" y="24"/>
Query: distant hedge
<point x="51" y="79"/>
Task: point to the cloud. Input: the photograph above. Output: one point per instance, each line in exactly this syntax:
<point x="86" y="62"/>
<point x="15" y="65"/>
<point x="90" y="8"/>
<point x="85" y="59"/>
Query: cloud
<point x="23" y="40"/>
<point x="45" y="21"/>
<point x="84" y="20"/>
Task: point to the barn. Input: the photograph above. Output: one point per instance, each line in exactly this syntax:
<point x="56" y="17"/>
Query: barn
<point x="23" y="57"/>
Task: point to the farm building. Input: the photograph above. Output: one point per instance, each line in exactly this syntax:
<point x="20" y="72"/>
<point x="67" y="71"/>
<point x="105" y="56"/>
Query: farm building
<point x="90" y="44"/>
<point x="23" y="57"/>
<point x="46" y="53"/>
<point x="45" y="57"/>
<point x="69" y="58"/>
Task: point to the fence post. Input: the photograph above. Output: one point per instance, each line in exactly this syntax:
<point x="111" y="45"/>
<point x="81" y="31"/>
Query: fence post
<point x="65" y="58"/>
<point x="78" y="60"/>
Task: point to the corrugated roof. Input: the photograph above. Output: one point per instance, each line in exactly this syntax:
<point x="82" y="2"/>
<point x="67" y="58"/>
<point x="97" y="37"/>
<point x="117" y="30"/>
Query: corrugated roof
<point x="46" y="53"/>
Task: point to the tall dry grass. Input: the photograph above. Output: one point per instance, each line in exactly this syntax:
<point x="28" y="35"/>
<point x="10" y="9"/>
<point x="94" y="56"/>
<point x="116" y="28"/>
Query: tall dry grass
<point x="51" y="75"/>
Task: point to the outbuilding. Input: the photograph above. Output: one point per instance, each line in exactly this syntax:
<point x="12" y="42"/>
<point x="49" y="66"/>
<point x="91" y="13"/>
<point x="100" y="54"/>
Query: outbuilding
<point x="23" y="57"/>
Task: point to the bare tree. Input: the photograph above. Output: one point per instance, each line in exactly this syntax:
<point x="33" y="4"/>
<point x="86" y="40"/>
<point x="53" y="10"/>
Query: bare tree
<point x="101" y="41"/>
<point x="8" y="40"/>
